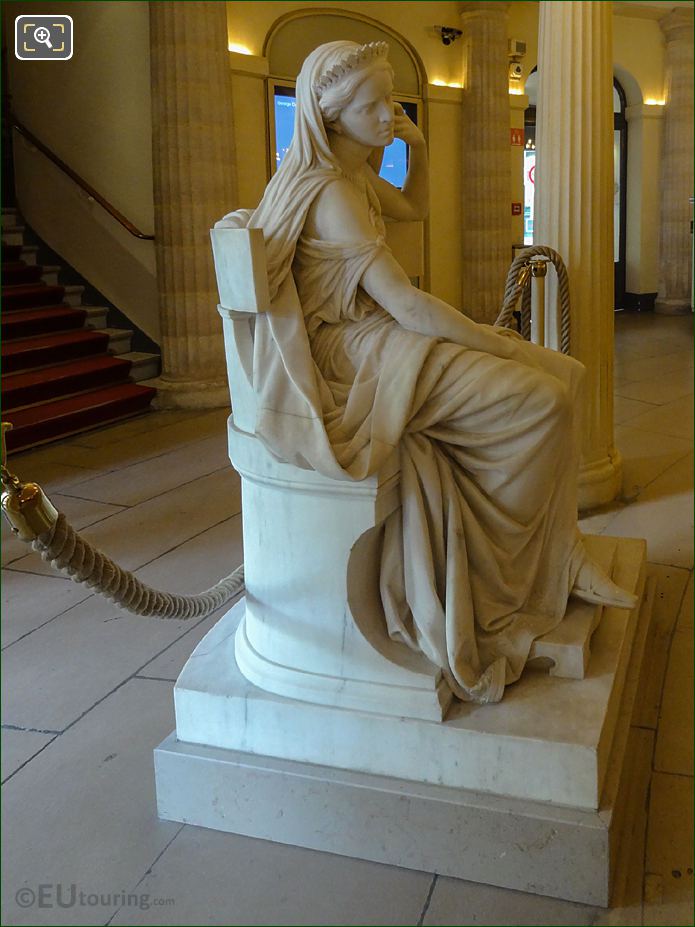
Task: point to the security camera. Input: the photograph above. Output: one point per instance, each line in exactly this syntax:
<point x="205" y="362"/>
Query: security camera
<point x="447" y="34"/>
<point x="515" y="71"/>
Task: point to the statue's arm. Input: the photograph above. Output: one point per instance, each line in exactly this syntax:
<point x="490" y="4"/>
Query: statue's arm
<point x="412" y="202"/>
<point x="418" y="311"/>
<point x="339" y="214"/>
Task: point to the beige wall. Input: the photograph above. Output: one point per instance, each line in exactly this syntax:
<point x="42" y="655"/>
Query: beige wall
<point x="94" y="112"/>
<point x="250" y="20"/>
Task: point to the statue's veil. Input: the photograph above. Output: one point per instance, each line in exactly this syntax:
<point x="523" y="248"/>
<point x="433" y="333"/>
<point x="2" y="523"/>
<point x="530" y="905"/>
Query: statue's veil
<point x="293" y="401"/>
<point x="307" y="166"/>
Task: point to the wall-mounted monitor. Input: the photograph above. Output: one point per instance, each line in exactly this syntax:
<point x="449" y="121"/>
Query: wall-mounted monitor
<point x="395" y="162"/>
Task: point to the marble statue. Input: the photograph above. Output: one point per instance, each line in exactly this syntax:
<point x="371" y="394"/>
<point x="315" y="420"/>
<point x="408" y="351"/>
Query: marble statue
<point x="483" y="553"/>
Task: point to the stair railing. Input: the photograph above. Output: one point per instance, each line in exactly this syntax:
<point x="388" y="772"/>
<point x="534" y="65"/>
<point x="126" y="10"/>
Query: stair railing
<point x="73" y="175"/>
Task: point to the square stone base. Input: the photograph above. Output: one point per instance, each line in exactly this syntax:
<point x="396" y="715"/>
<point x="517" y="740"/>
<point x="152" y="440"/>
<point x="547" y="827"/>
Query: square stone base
<point x="529" y="845"/>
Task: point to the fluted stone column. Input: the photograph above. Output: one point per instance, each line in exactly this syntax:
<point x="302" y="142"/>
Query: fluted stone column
<point x="194" y="185"/>
<point x="574" y="209"/>
<point x="486" y="184"/>
<point x="675" y="266"/>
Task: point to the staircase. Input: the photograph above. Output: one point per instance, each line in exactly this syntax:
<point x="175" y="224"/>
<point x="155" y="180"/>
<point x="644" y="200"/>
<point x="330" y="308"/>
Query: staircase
<point x="63" y="370"/>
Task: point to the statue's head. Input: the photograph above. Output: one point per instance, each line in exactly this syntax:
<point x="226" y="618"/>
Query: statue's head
<point x="343" y="68"/>
<point x="334" y="73"/>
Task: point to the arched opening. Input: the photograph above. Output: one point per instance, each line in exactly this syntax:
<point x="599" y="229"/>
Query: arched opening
<point x="291" y="39"/>
<point x="619" y="176"/>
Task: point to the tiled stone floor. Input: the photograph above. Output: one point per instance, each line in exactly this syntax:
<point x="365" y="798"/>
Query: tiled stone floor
<point x="87" y="691"/>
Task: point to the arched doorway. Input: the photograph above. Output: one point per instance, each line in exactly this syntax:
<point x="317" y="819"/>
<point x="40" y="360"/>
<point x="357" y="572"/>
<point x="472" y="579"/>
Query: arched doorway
<point x="293" y="36"/>
<point x="619" y="177"/>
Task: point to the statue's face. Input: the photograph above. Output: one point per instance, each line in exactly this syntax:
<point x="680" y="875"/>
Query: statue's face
<point x="368" y="117"/>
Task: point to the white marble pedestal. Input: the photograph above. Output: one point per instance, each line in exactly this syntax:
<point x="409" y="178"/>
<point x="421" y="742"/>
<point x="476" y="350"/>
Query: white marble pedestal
<point x="525" y="794"/>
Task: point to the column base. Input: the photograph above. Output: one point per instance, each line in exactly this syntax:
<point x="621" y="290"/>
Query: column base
<point x="600" y="481"/>
<point x="672" y="306"/>
<point x="189" y="394"/>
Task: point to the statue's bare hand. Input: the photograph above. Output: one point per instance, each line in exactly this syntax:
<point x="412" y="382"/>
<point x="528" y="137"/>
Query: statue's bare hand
<point x="405" y="129"/>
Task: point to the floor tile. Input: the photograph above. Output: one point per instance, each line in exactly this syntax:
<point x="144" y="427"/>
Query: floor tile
<point x="596" y="521"/>
<point x="658" y="389"/>
<point x="646" y="455"/>
<point x="60" y="671"/>
<point x="49" y="474"/>
<point x="194" y="566"/>
<point x="670" y="587"/>
<point x="138" y="425"/>
<point x="144" y="532"/>
<point x="624" y="410"/>
<point x="685" y="615"/>
<point x="641" y="368"/>
<point x="83" y="811"/>
<point x="154" y="476"/>
<point x="20" y="746"/>
<point x="130" y="449"/>
<point x="673" y="418"/>
<point x="239" y="880"/>
<point x="663" y="514"/>
<point x="626" y="902"/>
<point x="463" y="903"/>
<point x="80" y="512"/>
<point x="669" y="861"/>
<point x="30" y="601"/>
<point x="674" y="743"/>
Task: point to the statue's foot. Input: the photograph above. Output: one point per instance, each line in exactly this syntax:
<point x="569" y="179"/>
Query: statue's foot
<point x="596" y="587"/>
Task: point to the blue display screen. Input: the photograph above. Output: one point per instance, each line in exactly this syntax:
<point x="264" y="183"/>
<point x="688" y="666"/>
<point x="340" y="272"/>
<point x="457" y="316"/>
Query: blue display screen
<point x="394" y="165"/>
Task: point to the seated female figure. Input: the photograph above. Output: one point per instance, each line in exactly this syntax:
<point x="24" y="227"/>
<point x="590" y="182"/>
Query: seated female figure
<point x="482" y="555"/>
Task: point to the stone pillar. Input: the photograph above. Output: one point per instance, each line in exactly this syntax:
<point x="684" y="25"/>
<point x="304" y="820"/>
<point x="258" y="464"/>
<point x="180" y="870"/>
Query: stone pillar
<point x="194" y="185"/>
<point x="486" y="177"/>
<point x="574" y="209"/>
<point x="675" y="263"/>
<point x="644" y="131"/>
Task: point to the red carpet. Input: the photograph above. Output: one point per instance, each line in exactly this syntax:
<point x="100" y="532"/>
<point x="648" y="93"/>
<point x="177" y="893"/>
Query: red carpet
<point x="57" y="376"/>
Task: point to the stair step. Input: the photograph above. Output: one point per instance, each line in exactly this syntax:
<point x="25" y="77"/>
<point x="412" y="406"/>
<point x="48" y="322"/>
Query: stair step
<point x="73" y="295"/>
<point x="29" y="253"/>
<point x="17" y="272"/>
<point x="50" y="420"/>
<point x="47" y="349"/>
<point x="96" y="316"/>
<point x="88" y="373"/>
<point x="28" y="297"/>
<point x="26" y="323"/>
<point x="13" y="235"/>
<point x="9" y="218"/>
<point x="26" y="253"/>
<point x="119" y="339"/>
<point x="49" y="274"/>
<point x="143" y="366"/>
<point x="11" y="252"/>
